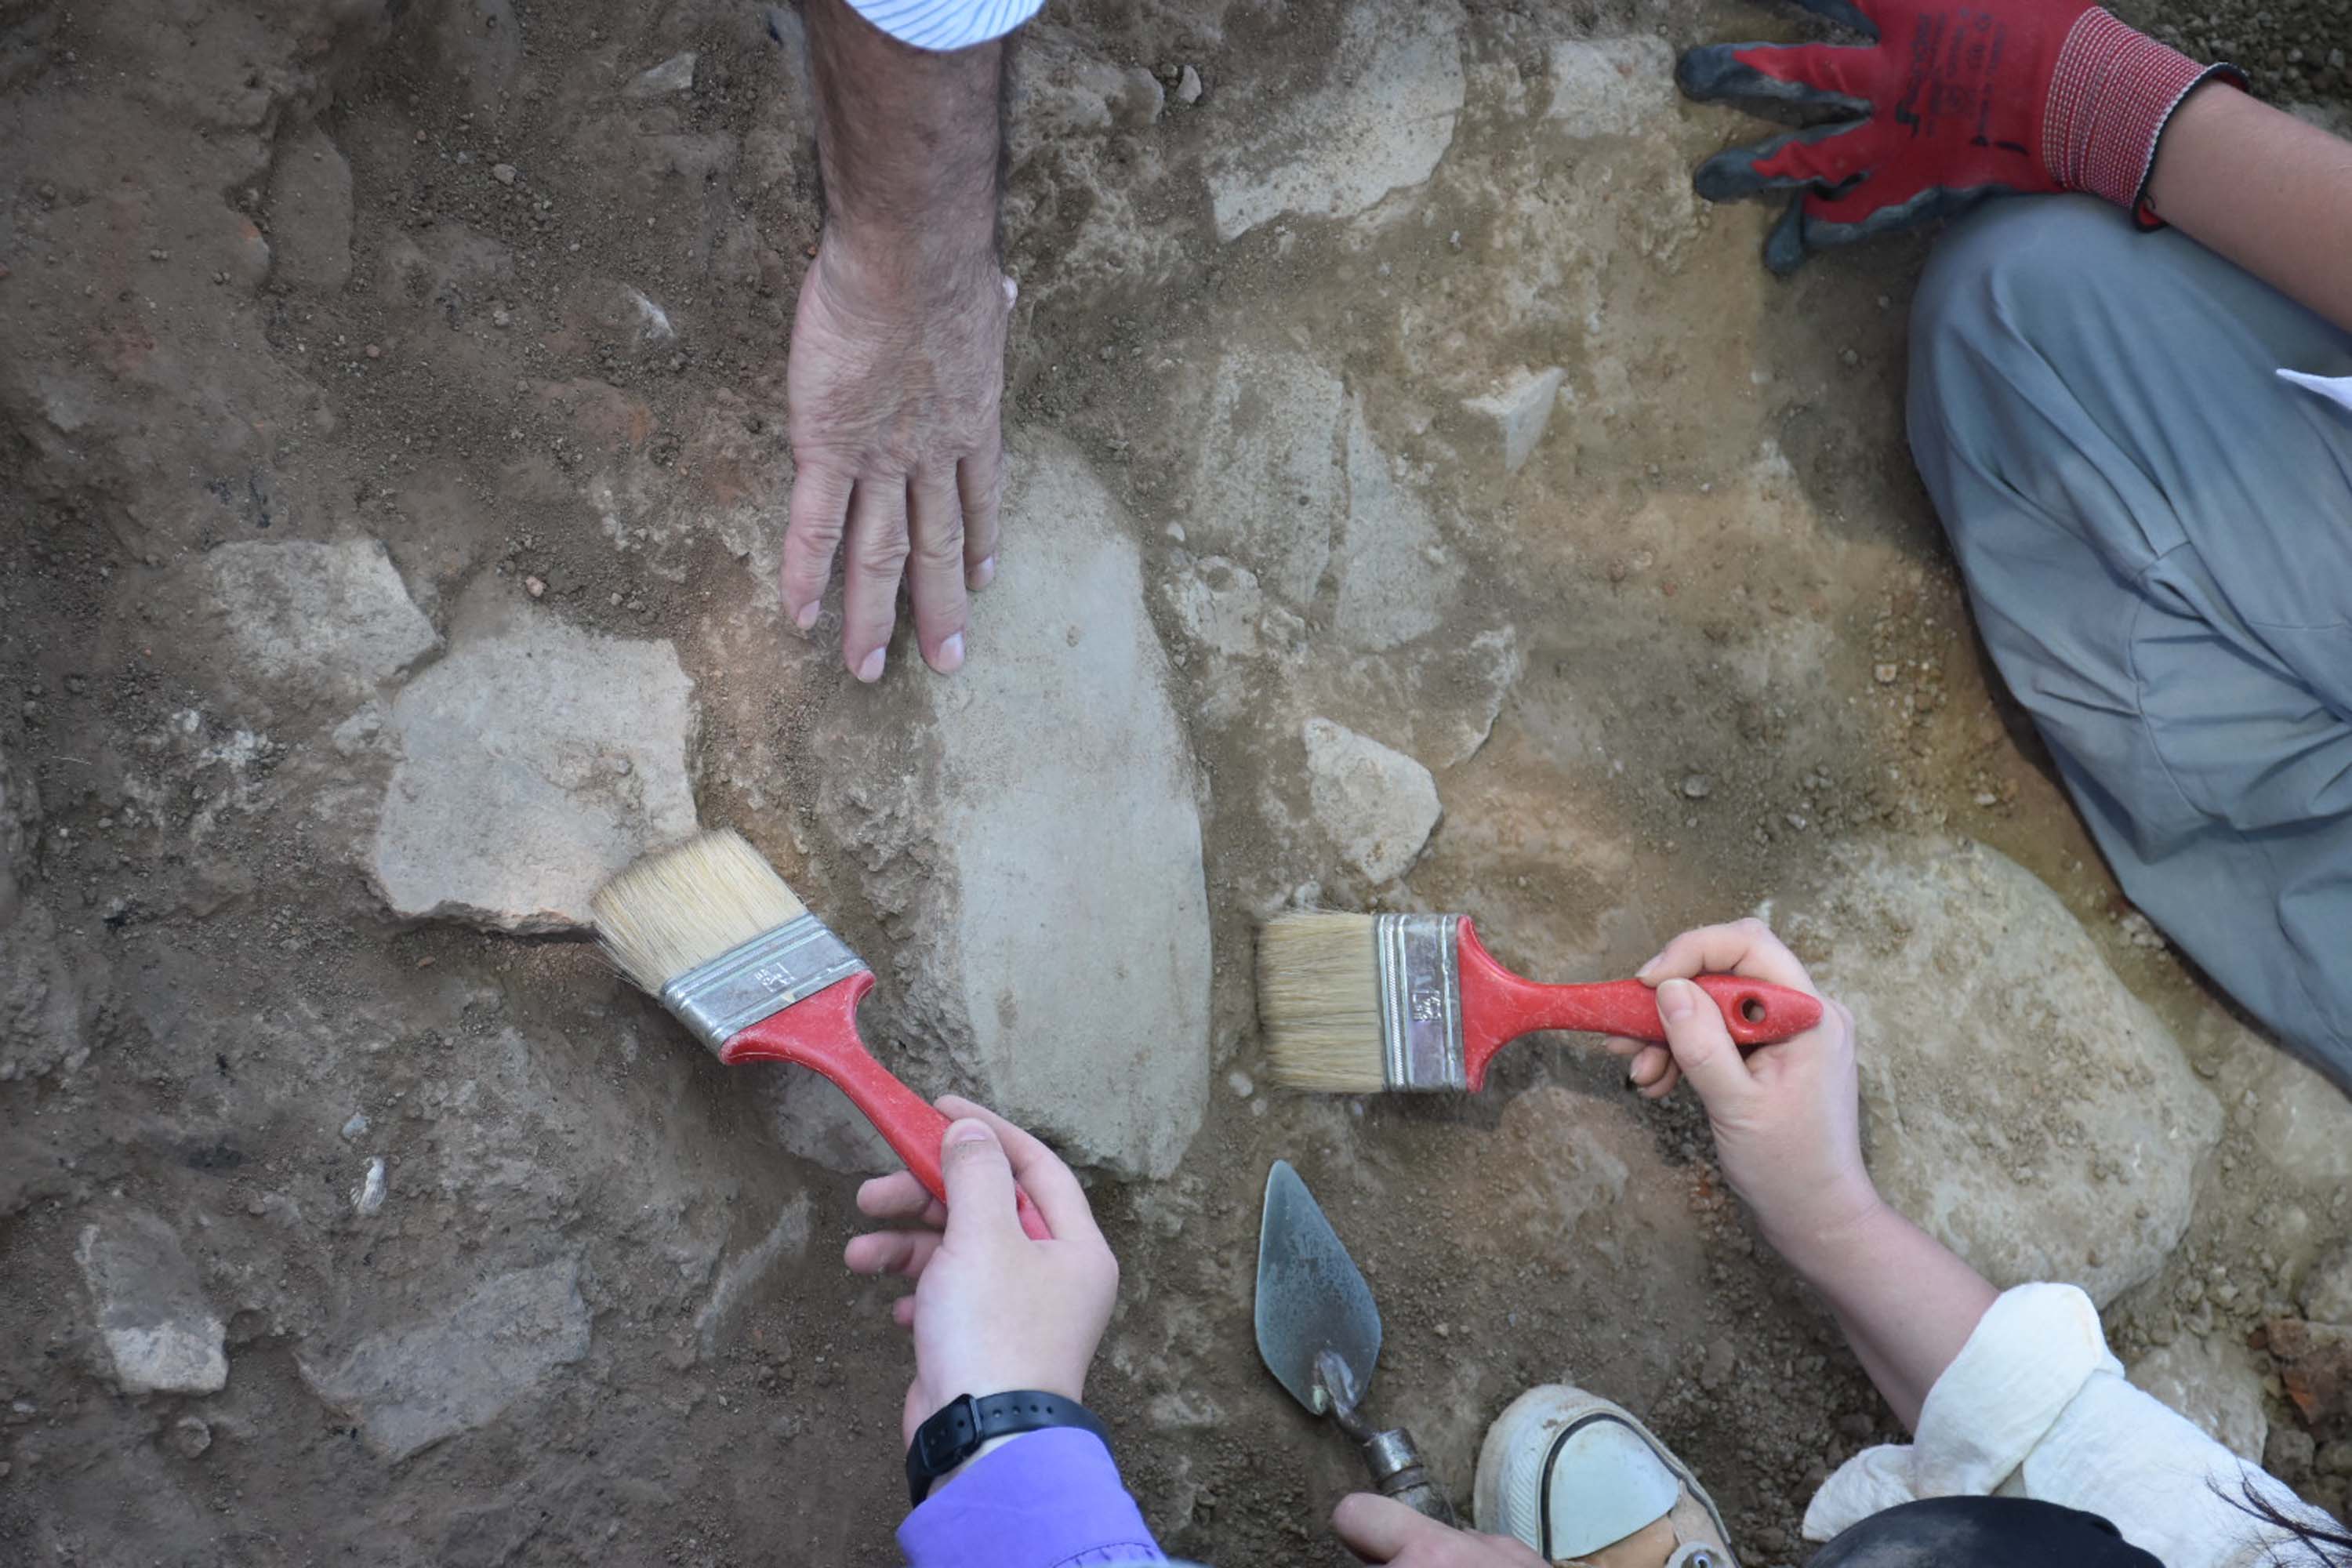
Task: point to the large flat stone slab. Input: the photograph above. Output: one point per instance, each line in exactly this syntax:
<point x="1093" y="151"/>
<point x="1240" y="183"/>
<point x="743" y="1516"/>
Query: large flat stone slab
<point x="1031" y="826"/>
<point x="536" y="760"/>
<point x="412" y="1386"/>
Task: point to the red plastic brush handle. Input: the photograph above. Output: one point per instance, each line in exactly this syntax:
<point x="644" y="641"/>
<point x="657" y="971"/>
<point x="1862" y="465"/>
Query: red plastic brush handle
<point x="820" y="1033"/>
<point x="1498" y="1007"/>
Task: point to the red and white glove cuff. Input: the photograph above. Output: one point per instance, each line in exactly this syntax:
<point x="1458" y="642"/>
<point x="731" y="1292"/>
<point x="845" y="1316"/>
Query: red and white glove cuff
<point x="2110" y="96"/>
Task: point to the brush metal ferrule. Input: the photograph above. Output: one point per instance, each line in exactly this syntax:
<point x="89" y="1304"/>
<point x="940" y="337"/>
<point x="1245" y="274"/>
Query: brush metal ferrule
<point x="759" y="978"/>
<point x="1420" y="1001"/>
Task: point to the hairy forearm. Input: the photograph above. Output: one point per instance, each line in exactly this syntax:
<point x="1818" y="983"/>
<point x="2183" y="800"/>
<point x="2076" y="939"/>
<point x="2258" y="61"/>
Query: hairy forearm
<point x="1908" y="1304"/>
<point x="909" y="144"/>
<point x="2262" y="188"/>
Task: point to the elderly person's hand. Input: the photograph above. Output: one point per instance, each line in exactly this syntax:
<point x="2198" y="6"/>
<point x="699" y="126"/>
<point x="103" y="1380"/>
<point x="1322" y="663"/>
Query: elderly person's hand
<point x="897" y="369"/>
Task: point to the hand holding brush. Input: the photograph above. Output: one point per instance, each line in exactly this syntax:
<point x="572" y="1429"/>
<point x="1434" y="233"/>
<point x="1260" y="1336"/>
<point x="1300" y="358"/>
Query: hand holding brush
<point x="1359" y="1003"/>
<point x="711" y="930"/>
<point x="993" y="1310"/>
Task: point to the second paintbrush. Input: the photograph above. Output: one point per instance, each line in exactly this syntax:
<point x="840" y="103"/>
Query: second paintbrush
<point x="1359" y="1003"/>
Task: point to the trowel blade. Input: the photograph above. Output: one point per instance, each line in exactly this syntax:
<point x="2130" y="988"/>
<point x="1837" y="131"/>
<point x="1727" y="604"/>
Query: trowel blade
<point x="1311" y="1297"/>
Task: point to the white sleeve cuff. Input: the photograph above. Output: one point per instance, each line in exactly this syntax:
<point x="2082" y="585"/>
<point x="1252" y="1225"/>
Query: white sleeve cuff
<point x="2035" y="1407"/>
<point x="2028" y="1356"/>
<point x="945" y="26"/>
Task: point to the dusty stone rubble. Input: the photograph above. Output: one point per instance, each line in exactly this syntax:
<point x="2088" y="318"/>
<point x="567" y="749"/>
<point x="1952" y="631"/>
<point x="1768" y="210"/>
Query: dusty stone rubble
<point x="1418" y="501"/>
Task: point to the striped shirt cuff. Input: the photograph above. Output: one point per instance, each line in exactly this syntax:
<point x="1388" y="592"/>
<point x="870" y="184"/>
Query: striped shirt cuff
<point x="946" y="25"/>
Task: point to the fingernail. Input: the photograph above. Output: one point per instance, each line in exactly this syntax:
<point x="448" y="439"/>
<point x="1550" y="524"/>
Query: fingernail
<point x="871" y="670"/>
<point x="1677" y="999"/>
<point x="806" y="616"/>
<point x="983" y="574"/>
<point x="1643" y="973"/>
<point x="970" y="1131"/>
<point x="950" y="655"/>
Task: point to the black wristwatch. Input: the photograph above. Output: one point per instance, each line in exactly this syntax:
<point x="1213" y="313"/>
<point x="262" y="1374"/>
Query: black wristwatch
<point x="956" y="1433"/>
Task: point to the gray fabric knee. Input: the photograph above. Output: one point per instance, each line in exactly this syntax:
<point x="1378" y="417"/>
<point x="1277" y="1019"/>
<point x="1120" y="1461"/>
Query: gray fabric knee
<point x="1998" y="274"/>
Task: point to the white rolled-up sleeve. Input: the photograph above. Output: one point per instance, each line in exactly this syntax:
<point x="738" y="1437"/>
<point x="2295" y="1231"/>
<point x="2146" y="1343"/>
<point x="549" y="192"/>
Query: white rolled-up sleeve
<point x="944" y="25"/>
<point x="2034" y="1406"/>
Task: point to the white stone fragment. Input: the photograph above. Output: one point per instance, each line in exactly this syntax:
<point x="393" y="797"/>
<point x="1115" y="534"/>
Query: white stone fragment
<point x="1378" y="805"/>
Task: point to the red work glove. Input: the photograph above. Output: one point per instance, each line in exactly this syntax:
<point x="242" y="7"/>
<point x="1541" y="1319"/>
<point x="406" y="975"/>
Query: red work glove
<point x="1951" y="101"/>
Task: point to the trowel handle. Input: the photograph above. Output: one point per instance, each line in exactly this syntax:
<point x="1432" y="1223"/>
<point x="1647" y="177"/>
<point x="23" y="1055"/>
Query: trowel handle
<point x="1398" y="1471"/>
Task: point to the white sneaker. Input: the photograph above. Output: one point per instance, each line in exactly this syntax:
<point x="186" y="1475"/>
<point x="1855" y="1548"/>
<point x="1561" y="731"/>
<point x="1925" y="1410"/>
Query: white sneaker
<point x="1569" y="1473"/>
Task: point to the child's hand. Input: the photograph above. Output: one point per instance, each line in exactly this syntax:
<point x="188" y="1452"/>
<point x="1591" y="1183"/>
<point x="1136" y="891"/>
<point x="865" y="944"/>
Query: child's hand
<point x="1787" y="1119"/>
<point x="992" y="1311"/>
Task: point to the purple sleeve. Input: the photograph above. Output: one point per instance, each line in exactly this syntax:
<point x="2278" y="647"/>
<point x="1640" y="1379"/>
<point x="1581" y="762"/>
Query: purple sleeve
<point x="1046" y="1499"/>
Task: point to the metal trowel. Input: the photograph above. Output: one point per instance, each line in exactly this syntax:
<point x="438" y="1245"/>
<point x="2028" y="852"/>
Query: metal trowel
<point x="1320" y="1333"/>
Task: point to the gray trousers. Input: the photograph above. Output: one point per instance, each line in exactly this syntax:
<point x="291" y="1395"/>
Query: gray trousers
<point x="2157" y="534"/>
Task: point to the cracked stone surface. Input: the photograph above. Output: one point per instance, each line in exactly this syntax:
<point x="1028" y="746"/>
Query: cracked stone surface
<point x="332" y="621"/>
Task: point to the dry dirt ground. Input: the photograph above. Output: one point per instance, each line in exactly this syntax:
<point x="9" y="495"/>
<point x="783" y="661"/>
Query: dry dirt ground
<point x="281" y="282"/>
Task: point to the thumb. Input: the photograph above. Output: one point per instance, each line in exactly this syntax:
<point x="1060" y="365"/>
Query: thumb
<point x="979" y="1179"/>
<point x="1381" y="1529"/>
<point x="1701" y="1044"/>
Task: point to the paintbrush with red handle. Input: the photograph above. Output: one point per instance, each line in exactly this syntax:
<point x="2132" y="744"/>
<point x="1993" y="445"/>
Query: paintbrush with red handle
<point x="1359" y="1003"/>
<point x="710" y="930"/>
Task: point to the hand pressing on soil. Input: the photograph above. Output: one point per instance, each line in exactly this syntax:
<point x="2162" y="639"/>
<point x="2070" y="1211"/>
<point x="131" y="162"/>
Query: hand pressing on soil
<point x="992" y="1311"/>
<point x="1383" y="1529"/>
<point x="897" y="368"/>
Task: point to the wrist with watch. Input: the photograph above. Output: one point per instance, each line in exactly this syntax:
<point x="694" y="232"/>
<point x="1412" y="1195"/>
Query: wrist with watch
<point x="957" y="1431"/>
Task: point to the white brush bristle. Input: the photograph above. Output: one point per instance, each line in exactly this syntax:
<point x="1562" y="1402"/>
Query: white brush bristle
<point x="1318" y="995"/>
<point x="672" y="911"/>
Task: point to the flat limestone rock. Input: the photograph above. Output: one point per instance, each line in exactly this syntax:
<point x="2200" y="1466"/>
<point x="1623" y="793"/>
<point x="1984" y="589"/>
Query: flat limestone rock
<point x="2215" y="1385"/>
<point x="1293" y="487"/>
<point x="1519" y="409"/>
<point x="1380" y="122"/>
<point x="1612" y="87"/>
<point x="2019" y="1104"/>
<point x="674" y="75"/>
<point x="159" y="1333"/>
<point x="413" y="1386"/>
<point x="1269" y="490"/>
<point x="329" y="621"/>
<point x="1378" y="805"/>
<point x="1031" y="824"/>
<point x="536" y="760"/>
<point x="1395" y="577"/>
